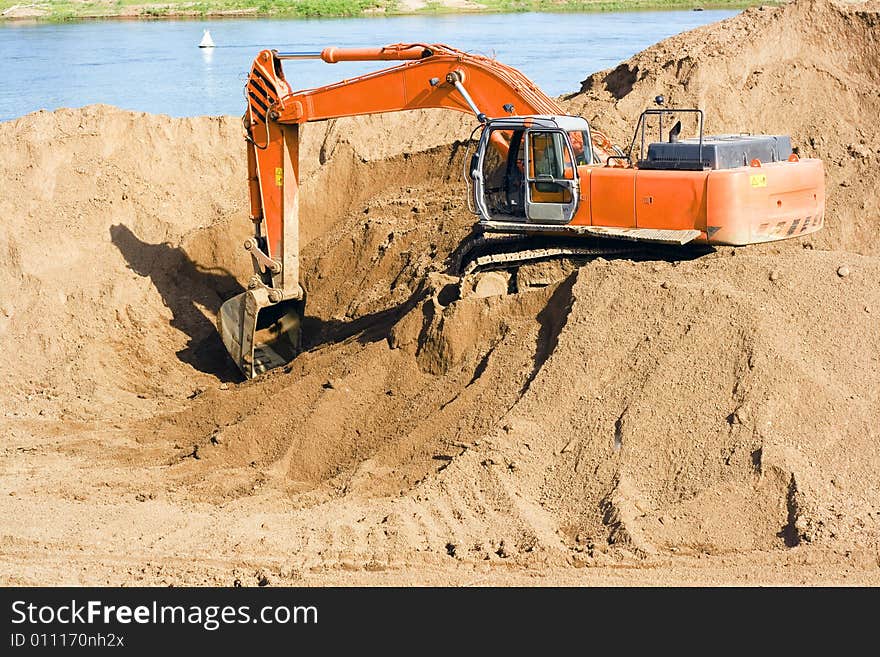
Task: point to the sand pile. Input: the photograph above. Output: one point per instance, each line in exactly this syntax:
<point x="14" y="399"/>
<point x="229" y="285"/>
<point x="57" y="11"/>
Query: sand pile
<point x="99" y="202"/>
<point x="124" y="237"/>
<point x="810" y="69"/>
<point x="608" y="412"/>
<point x="699" y="407"/>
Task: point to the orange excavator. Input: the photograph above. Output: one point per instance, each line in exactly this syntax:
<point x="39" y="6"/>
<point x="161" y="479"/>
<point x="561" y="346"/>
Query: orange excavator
<point x="535" y="175"/>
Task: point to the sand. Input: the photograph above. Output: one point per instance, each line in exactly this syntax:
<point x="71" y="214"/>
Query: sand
<point x="687" y="420"/>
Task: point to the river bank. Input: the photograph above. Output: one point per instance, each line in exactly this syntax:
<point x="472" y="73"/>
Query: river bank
<point x="133" y="10"/>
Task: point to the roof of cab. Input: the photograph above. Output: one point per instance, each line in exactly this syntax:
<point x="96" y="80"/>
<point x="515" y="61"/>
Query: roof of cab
<point x="562" y="122"/>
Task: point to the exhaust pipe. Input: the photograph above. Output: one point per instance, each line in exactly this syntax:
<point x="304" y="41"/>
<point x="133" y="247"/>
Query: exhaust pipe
<point x="260" y="334"/>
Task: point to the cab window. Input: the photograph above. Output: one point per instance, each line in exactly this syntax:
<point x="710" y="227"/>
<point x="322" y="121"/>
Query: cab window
<point x="579" y="143"/>
<point x="549" y="161"/>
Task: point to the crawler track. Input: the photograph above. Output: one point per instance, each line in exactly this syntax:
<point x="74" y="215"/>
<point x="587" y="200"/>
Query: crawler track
<point x="484" y="253"/>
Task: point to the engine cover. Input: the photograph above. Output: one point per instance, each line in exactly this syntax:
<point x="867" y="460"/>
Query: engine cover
<point x="719" y="152"/>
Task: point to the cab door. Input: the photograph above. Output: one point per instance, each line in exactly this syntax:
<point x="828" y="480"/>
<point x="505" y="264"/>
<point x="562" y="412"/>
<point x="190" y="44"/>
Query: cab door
<point x="552" y="190"/>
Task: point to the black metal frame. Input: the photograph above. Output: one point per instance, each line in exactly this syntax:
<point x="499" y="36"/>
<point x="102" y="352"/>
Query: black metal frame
<point x="641" y="126"/>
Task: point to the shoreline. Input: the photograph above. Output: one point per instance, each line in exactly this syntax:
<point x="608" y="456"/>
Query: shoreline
<point x="63" y="12"/>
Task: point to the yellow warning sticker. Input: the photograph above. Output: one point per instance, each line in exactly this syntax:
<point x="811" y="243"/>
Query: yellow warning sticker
<point x="279" y="177"/>
<point x="758" y="180"/>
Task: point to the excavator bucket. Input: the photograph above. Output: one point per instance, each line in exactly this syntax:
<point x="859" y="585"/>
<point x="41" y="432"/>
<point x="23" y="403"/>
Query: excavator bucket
<point x="259" y="334"/>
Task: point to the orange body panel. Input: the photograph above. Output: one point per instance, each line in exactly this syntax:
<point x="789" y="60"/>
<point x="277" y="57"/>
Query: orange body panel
<point x="674" y="200"/>
<point x="729" y="206"/>
<point x="766" y="203"/>
<point x="612" y="198"/>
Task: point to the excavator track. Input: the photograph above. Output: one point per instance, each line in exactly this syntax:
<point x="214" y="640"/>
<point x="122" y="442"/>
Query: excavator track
<point x="484" y="253"/>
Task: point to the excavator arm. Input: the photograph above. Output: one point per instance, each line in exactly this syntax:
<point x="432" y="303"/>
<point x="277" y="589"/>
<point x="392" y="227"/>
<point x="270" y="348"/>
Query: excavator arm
<point x="430" y="76"/>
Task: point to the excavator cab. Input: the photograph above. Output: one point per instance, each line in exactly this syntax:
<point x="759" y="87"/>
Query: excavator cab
<point x="525" y="168"/>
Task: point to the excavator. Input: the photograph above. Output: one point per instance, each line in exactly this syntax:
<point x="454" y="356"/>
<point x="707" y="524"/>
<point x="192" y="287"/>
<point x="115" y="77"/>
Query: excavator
<point x="545" y="182"/>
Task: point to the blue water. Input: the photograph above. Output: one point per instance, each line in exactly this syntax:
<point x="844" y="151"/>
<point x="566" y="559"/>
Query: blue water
<point x="155" y="66"/>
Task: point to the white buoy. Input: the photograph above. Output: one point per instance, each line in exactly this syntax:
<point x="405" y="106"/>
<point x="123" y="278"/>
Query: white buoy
<point x="207" y="41"/>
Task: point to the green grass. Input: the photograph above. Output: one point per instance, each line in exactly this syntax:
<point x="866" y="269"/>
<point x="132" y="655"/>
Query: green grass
<point x="69" y="11"/>
<point x="287" y="8"/>
<point x="64" y="11"/>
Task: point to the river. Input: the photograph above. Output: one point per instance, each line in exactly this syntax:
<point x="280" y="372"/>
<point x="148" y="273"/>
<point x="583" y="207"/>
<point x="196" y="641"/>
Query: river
<point x="155" y="66"/>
